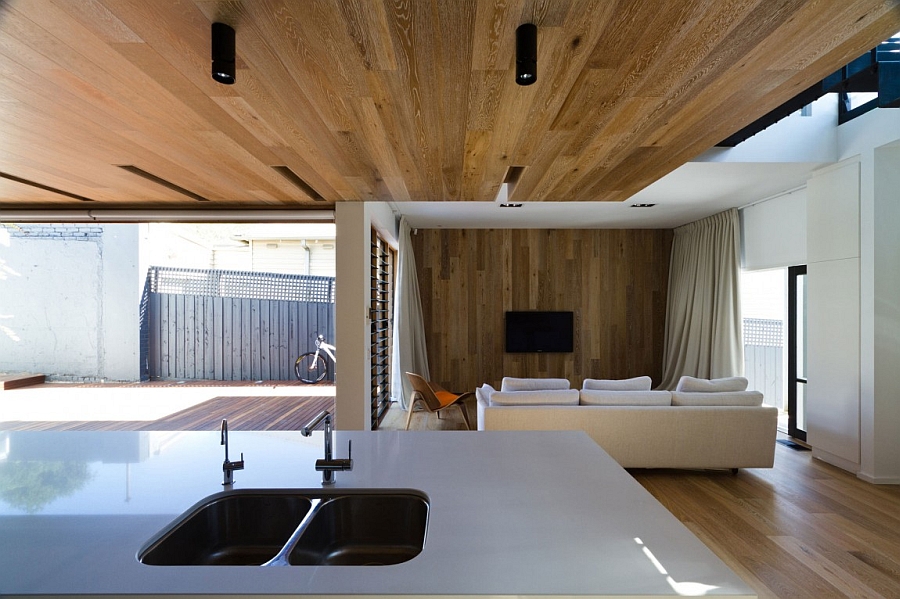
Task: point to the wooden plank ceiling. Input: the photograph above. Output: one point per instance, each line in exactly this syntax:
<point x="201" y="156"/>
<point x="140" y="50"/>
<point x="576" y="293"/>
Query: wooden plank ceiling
<point x="392" y="100"/>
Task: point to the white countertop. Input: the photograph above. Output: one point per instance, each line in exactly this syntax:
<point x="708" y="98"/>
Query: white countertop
<point x="511" y="513"/>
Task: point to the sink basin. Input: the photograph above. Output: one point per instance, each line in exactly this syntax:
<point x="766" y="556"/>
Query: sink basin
<point x="297" y="527"/>
<point x="240" y="528"/>
<point x="363" y="530"/>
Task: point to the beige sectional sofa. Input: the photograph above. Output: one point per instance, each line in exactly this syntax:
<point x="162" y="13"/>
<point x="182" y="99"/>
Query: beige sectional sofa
<point x="702" y="424"/>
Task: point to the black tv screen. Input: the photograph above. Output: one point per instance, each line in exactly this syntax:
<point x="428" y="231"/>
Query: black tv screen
<point x="539" y="332"/>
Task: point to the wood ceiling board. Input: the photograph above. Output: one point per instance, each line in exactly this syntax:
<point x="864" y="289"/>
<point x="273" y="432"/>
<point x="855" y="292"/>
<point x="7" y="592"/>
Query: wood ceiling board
<point x="382" y="100"/>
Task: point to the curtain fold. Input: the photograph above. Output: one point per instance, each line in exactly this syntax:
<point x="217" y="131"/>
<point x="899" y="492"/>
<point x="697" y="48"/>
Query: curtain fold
<point x="409" y="349"/>
<point x="703" y="312"/>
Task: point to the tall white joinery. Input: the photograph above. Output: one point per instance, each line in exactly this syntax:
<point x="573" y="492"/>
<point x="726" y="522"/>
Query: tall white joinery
<point x="833" y="337"/>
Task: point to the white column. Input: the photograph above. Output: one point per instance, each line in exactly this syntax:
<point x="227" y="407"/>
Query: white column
<point x="353" y="383"/>
<point x="353" y="390"/>
<point x="120" y="304"/>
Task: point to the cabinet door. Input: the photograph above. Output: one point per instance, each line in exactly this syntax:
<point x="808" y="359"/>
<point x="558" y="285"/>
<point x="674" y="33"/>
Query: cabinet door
<point x="832" y="402"/>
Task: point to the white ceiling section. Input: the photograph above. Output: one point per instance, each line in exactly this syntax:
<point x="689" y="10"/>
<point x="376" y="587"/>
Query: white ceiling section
<point x="694" y="191"/>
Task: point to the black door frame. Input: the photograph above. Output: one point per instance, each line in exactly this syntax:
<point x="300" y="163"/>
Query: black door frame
<point x="793" y="379"/>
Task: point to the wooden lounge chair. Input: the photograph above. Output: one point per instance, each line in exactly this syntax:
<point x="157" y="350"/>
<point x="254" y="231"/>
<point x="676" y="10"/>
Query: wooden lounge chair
<point x="435" y="398"/>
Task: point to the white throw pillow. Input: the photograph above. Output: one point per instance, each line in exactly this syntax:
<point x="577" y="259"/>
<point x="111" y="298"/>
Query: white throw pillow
<point x="731" y="398"/>
<point x="596" y="397"/>
<point x="513" y="384"/>
<point x="483" y="393"/>
<point x="690" y="384"/>
<point x="638" y="383"/>
<point x="552" y="397"/>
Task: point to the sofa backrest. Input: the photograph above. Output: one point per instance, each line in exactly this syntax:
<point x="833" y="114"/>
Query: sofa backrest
<point x="691" y="384"/>
<point x="734" y="398"/>
<point x="595" y="397"/>
<point x="533" y="384"/>
<point x="548" y="397"/>
<point x="638" y="383"/>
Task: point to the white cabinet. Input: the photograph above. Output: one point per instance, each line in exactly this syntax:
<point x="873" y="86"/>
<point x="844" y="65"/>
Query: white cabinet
<point x="833" y="334"/>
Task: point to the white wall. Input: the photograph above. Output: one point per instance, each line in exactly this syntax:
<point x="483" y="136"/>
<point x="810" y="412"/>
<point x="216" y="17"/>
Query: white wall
<point x="773" y="232"/>
<point x="355" y="221"/>
<point x="854" y="275"/>
<point x="69" y="300"/>
<point x="881" y="416"/>
<point x="795" y="138"/>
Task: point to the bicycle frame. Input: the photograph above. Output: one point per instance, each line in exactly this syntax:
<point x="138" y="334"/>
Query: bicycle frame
<point x="327" y="348"/>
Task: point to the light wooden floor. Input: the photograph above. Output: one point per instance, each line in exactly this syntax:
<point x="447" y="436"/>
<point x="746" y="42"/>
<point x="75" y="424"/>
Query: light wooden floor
<point x="450" y="419"/>
<point x="801" y="529"/>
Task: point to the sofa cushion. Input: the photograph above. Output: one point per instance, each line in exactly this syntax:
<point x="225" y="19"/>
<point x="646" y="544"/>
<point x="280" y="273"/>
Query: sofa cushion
<point x="556" y="397"/>
<point x="513" y="384"/>
<point x="598" y="397"/>
<point x="729" y="398"/>
<point x="690" y="384"/>
<point x="483" y="393"/>
<point x="638" y="383"/>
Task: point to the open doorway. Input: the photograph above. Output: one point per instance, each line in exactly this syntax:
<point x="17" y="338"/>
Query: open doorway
<point x="764" y="311"/>
<point x="235" y="302"/>
<point x="773" y="303"/>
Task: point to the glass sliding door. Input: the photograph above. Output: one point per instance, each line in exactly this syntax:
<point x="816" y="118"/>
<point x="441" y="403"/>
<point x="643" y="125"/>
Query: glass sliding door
<point x="797" y="352"/>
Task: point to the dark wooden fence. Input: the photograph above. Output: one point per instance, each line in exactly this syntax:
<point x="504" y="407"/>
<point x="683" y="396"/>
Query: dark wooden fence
<point x="231" y="325"/>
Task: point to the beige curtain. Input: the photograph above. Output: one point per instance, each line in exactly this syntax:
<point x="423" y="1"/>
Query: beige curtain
<point x="408" y="352"/>
<point x="703" y="311"/>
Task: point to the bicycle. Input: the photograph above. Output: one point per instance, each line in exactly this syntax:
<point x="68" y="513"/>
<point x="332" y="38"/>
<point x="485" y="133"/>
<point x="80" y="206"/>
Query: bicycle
<point x="312" y="367"/>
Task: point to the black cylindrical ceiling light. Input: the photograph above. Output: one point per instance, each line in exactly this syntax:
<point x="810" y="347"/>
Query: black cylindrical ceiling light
<point x="223" y="53"/>
<point x="526" y="54"/>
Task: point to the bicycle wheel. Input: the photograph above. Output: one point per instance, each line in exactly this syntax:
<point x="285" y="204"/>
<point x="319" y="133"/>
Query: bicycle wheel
<point x="310" y="368"/>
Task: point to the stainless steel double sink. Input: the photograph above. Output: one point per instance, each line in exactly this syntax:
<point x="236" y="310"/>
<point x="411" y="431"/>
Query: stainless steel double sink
<point x="295" y="527"/>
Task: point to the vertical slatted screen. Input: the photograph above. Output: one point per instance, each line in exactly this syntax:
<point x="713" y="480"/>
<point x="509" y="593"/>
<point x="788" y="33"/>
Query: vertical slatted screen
<point x="381" y="309"/>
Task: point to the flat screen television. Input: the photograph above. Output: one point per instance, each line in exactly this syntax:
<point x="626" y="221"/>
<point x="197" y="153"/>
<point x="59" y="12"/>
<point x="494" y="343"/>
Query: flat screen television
<point x="533" y="331"/>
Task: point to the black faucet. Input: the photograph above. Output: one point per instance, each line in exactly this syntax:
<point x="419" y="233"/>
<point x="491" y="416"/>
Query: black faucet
<point x="228" y="467"/>
<point x="329" y="465"/>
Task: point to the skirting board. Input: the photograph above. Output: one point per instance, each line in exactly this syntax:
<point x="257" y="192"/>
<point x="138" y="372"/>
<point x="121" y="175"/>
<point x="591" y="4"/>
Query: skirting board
<point x="878" y="480"/>
<point x="835" y="461"/>
<point x="854" y="468"/>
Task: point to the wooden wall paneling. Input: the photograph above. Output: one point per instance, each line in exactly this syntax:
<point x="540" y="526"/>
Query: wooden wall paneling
<point x="614" y="282"/>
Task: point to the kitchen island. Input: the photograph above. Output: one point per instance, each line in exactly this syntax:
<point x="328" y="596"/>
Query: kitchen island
<point x="511" y="513"/>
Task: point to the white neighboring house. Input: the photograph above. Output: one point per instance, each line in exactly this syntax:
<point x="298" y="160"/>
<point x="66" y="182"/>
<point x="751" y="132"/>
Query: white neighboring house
<point x="304" y="249"/>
